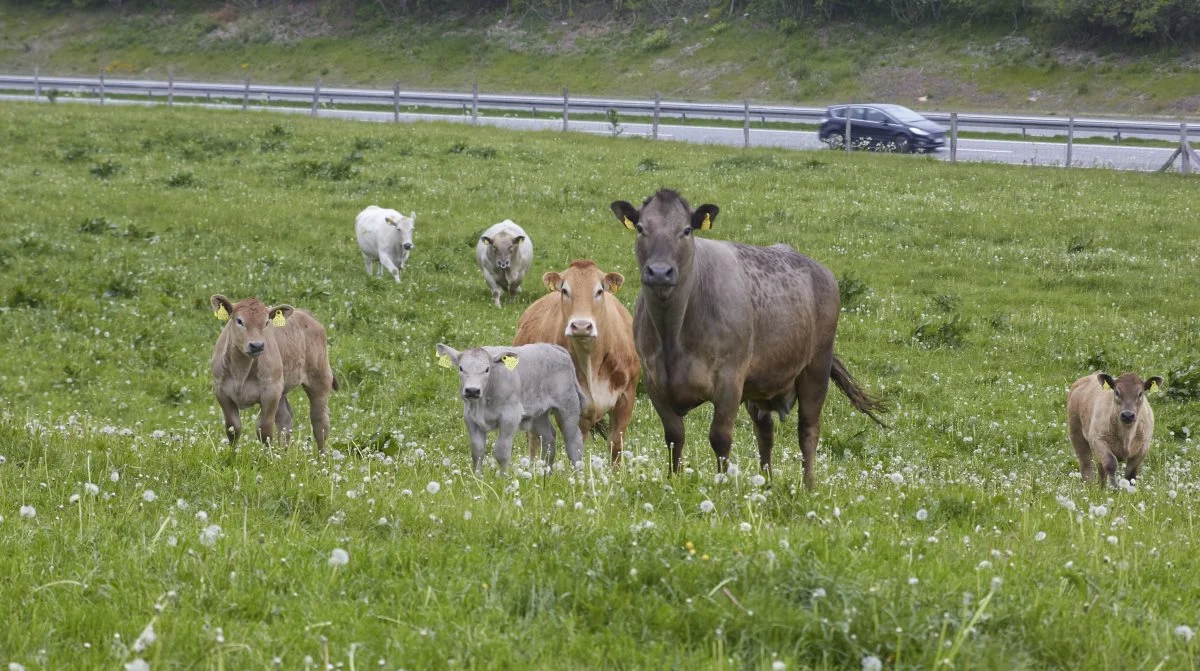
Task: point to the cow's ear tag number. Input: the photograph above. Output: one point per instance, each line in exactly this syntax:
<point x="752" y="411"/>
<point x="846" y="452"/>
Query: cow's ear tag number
<point x="1106" y="387"/>
<point x="222" y="314"/>
<point x="1154" y="385"/>
<point x="279" y="320"/>
<point x="629" y="223"/>
<point x="509" y="361"/>
<point x="444" y="361"/>
<point x="707" y="223"/>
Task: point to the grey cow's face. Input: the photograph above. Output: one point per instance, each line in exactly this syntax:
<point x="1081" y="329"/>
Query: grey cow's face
<point x="405" y="227"/>
<point x="474" y="367"/>
<point x="1127" y="393"/>
<point x="501" y="249"/>
<point x="665" y="246"/>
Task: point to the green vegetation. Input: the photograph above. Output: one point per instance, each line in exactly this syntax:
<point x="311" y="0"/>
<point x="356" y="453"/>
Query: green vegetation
<point x="980" y="63"/>
<point x="974" y="295"/>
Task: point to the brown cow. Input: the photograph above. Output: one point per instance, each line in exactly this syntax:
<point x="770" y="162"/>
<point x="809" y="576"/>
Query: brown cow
<point x="731" y="324"/>
<point x="262" y="354"/>
<point x="583" y="316"/>
<point x="1112" y="420"/>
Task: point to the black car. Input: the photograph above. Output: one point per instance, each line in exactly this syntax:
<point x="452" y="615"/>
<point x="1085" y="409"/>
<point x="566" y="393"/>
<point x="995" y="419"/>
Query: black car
<point x="887" y="127"/>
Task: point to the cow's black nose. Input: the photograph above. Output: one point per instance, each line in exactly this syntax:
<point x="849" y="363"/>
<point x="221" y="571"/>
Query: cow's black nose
<point x="408" y="245"/>
<point x="471" y="392"/>
<point x="502" y="264"/>
<point x="255" y="347"/>
<point x="1128" y="417"/>
<point x="659" y="273"/>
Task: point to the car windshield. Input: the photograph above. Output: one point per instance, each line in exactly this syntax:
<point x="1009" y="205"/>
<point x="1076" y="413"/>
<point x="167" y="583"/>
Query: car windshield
<point x="902" y="114"/>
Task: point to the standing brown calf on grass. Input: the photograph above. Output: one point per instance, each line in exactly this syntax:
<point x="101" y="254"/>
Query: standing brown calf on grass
<point x="1112" y="420"/>
<point x="261" y="355"/>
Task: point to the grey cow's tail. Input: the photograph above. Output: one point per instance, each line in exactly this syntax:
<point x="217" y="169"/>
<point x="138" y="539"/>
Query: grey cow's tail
<point x="867" y="404"/>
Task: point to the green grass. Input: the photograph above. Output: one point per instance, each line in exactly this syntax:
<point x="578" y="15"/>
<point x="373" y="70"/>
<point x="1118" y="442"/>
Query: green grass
<point x="960" y="67"/>
<point x="975" y="294"/>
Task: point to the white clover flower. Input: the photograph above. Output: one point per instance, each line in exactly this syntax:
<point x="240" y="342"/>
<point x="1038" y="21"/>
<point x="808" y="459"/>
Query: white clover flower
<point x="913" y="581"/>
<point x="467" y="515"/>
<point x="778" y="665"/>
<point x="872" y="663"/>
<point x="149" y="496"/>
<point x="1112" y="540"/>
<point x="138" y="664"/>
<point x="1185" y="632"/>
<point x="579" y="505"/>
<point x="648" y="507"/>
<point x="339" y="557"/>
<point x="405" y="492"/>
<point x="202" y="516"/>
<point x="115" y="476"/>
<point x="433" y="487"/>
<point x="210" y="535"/>
<point x="706" y="506"/>
<point x="13" y="666"/>
<point x="28" y="512"/>
<point x="922" y="515"/>
<point x="1039" y="536"/>
<point x="74" y="499"/>
<point x="383" y="521"/>
<point x="745" y="527"/>
<point x="181" y="504"/>
<point x="819" y="593"/>
<point x="146" y="639"/>
<point x="91" y="488"/>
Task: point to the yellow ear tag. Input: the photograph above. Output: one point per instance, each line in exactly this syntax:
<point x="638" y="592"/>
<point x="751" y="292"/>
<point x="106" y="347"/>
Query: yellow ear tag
<point x="222" y="314"/>
<point x="628" y="223"/>
<point x="1154" y="385"/>
<point x="444" y="361"/>
<point x="707" y="223"/>
<point x="278" y="319"/>
<point x="510" y="361"/>
<point x="1106" y="387"/>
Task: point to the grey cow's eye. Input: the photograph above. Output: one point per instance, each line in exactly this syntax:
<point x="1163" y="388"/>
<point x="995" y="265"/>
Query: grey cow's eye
<point x="687" y="231"/>
<point x="638" y="228"/>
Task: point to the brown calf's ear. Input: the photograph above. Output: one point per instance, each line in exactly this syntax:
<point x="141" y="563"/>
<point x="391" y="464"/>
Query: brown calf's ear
<point x="704" y="216"/>
<point x="221" y="307"/>
<point x="612" y="282"/>
<point x="626" y="214"/>
<point x="1106" y="381"/>
<point x="552" y="280"/>
<point x="280" y="313"/>
<point x="1153" y="384"/>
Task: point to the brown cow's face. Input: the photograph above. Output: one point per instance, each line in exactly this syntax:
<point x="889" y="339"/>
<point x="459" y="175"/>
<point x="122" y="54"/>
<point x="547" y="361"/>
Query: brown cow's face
<point x="581" y="289"/>
<point x="501" y="249"/>
<point x="1127" y="393"/>
<point x="249" y="319"/>
<point x="665" y="247"/>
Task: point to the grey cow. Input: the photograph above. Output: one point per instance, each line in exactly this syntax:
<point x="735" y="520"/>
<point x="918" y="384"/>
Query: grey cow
<point x="517" y="389"/>
<point x="731" y="324"/>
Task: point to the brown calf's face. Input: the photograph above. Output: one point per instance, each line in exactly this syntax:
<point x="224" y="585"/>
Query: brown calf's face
<point x="581" y="288"/>
<point x="664" y="228"/>
<point x="1127" y="393"/>
<point x="501" y="248"/>
<point x="249" y="319"/>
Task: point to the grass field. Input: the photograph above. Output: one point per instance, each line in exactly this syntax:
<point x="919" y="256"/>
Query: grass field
<point x="961" y="537"/>
<point x="948" y="67"/>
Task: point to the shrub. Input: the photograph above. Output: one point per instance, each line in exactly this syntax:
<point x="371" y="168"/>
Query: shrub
<point x="106" y="169"/>
<point x="657" y="40"/>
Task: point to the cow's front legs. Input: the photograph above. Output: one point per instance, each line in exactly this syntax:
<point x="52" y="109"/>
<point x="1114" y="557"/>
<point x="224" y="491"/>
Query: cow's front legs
<point x="385" y="260"/>
<point x="502" y="449"/>
<point x="725" y="402"/>
<point x="266" y="418"/>
<point x="672" y="431"/>
<point x="478" y="437"/>
<point x="233" y="419"/>
<point x="764" y="433"/>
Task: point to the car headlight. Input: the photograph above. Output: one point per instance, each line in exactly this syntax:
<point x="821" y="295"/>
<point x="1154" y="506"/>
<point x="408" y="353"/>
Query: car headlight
<point x="918" y="131"/>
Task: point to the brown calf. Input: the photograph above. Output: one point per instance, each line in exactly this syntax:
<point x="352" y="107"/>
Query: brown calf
<point x="261" y="355"/>
<point x="583" y="316"/>
<point x="1112" y="420"/>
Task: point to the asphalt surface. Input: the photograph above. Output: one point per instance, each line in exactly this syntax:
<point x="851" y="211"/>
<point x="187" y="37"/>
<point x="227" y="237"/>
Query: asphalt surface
<point x="998" y="151"/>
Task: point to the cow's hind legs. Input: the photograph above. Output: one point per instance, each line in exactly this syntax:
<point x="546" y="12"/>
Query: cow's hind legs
<point x="543" y="428"/>
<point x="811" y="387"/>
<point x="764" y="433"/>
<point x="318" y="414"/>
<point x="283" y="419"/>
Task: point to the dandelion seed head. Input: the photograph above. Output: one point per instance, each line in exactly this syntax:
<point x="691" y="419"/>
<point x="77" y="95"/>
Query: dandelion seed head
<point x="872" y="663"/>
<point x="149" y="496"/>
<point x="922" y="515"/>
<point x="706" y="506"/>
<point x="339" y="557"/>
<point x="1185" y="632"/>
<point x="433" y="487"/>
<point x="28" y="512"/>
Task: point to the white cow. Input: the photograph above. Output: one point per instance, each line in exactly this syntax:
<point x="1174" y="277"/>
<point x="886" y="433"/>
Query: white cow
<point x="504" y="253"/>
<point x="384" y="236"/>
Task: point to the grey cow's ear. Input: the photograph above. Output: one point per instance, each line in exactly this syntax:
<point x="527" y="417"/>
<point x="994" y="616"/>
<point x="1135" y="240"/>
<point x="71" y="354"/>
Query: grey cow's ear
<point x="508" y="359"/>
<point x="447" y="356"/>
<point x="518" y="240"/>
<point x="485" y="240"/>
<point x="221" y="307"/>
<point x="626" y="214"/>
<point x="704" y="216"/>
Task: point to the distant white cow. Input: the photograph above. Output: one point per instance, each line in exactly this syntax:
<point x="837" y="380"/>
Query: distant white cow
<point x="504" y="253"/>
<point x="514" y="389"/>
<point x="384" y="236"/>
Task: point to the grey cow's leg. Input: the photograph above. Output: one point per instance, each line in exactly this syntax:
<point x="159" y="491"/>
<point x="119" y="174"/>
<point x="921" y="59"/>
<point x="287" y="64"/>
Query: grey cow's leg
<point x="543" y="429"/>
<point x="478" y="438"/>
<point x="811" y="387"/>
<point x="673" y="431"/>
<point x="568" y="423"/>
<point x="386" y="262"/>
<point x="764" y="433"/>
<point x="726" y="402"/>
<point x="502" y="450"/>
<point x="370" y="263"/>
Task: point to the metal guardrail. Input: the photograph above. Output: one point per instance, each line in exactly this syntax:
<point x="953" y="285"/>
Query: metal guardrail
<point x="474" y="100"/>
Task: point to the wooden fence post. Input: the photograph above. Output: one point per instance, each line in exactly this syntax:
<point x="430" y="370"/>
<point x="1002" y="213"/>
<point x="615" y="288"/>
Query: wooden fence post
<point x="566" y="107"/>
<point x="1070" y="139"/>
<point x="396" y="102"/>
<point x="1185" y="157"/>
<point x="101" y="86"/>
<point x="657" y="104"/>
<point x="475" y="103"/>
<point x="745" y="123"/>
<point x="849" y="122"/>
<point x="170" y="87"/>
<point x="37" y="84"/>
<point x="316" y="96"/>
<point x="954" y="137"/>
<point x="246" y="94"/>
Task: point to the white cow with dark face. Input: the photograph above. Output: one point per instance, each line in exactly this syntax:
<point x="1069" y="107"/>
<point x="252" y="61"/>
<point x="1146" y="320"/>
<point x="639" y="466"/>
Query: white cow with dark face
<point x="385" y="236"/>
<point x="504" y="253"/>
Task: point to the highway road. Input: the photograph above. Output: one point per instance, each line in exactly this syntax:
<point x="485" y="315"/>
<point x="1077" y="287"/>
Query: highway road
<point x="999" y="151"/>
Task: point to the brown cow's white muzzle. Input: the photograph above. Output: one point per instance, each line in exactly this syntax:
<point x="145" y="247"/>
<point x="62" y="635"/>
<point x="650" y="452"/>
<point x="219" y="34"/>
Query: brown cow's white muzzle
<point x="581" y="328"/>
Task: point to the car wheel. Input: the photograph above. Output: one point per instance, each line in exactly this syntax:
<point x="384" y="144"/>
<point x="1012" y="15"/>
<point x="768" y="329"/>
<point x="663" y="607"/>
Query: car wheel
<point x="902" y="144"/>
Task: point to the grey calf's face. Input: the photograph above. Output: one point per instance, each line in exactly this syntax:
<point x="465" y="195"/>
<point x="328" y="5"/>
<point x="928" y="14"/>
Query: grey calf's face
<point x="405" y="228"/>
<point x="1127" y="393"/>
<point x="665" y="246"/>
<point x="475" y="367"/>
<point x="501" y="249"/>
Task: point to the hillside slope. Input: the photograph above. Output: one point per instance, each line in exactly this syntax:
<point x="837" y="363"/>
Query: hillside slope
<point x="692" y="57"/>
